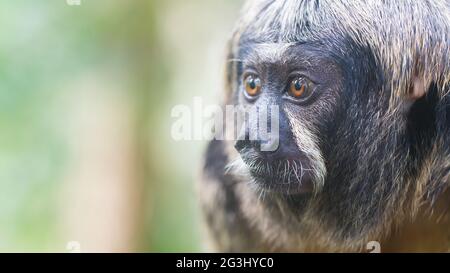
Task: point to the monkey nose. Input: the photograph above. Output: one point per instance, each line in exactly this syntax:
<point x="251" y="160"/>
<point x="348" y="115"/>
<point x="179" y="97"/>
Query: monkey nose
<point x="263" y="146"/>
<point x="240" y="145"/>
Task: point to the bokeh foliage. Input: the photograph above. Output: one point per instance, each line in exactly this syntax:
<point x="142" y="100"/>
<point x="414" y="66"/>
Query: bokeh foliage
<point x="159" y="54"/>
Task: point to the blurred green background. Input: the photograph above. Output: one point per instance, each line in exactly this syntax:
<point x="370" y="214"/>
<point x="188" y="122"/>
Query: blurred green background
<point x="86" y="93"/>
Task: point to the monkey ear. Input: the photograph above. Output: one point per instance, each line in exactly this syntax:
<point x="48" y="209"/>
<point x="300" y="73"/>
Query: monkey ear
<point x="419" y="88"/>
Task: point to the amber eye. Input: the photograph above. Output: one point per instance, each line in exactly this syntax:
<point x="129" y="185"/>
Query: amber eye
<point x="298" y="88"/>
<point x="252" y="85"/>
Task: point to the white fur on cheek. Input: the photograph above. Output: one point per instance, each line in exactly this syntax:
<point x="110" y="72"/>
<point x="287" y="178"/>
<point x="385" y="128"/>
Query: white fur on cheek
<point x="307" y="142"/>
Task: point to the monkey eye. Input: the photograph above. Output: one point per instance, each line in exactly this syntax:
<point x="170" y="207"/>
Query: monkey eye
<point x="299" y="88"/>
<point x="252" y="85"/>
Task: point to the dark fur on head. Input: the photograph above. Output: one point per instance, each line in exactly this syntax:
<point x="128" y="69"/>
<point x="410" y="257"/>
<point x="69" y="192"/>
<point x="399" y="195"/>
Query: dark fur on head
<point x="385" y="153"/>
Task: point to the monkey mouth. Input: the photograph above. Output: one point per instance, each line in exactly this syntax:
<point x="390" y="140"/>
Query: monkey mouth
<point x="286" y="176"/>
<point x="282" y="183"/>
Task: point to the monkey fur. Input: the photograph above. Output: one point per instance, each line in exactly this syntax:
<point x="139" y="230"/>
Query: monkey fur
<point x="376" y="138"/>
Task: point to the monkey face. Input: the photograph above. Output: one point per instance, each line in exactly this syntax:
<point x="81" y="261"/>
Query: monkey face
<point x="305" y="85"/>
<point x="340" y="150"/>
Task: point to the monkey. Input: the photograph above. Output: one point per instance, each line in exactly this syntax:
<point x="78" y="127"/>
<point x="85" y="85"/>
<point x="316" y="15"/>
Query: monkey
<point x="364" y="129"/>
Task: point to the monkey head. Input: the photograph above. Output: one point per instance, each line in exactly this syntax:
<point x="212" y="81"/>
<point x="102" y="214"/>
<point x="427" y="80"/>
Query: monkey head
<point x="363" y="116"/>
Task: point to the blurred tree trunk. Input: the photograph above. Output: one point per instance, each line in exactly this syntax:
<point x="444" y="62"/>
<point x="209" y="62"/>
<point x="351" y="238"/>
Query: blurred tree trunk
<point x="109" y="177"/>
<point x="105" y="189"/>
